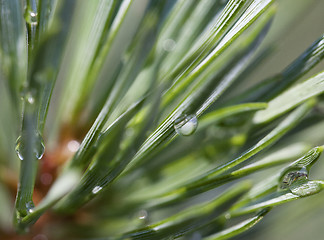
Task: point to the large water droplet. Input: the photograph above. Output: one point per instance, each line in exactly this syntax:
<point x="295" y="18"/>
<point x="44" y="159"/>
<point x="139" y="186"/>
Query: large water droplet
<point x="96" y="189"/>
<point x="292" y="176"/>
<point x="186" y="125"/>
<point x="305" y="188"/>
<point x="21" y="146"/>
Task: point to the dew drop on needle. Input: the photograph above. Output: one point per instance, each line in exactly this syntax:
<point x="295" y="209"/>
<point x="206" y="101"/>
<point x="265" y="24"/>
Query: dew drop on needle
<point x="39" y="146"/>
<point x="186" y="125"/>
<point x="306" y="188"/>
<point x="19" y="148"/>
<point x="22" y="145"/>
<point x="31" y="18"/>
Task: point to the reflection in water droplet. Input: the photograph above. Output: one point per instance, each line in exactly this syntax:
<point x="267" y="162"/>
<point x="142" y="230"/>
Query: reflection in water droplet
<point x="169" y="45"/>
<point x="21" y="146"/>
<point x="292" y="176"/>
<point x="186" y="125"/>
<point x="96" y="189"/>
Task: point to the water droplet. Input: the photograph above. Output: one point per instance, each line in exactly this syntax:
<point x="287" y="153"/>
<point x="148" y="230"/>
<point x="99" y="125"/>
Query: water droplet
<point x="305" y="188"/>
<point x="228" y="216"/>
<point x="27" y="95"/>
<point x="186" y="125"/>
<point x="30" y="206"/>
<point x="31" y="17"/>
<point x="73" y="146"/>
<point x="143" y="215"/>
<point x="169" y="45"/>
<point x="40" y="147"/>
<point x="21" y="148"/>
<point x="96" y="189"/>
<point x="292" y="176"/>
<point x="30" y="98"/>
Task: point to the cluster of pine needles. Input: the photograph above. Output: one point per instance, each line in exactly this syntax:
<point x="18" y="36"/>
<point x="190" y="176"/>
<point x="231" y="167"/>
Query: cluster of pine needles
<point x="139" y="119"/>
